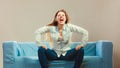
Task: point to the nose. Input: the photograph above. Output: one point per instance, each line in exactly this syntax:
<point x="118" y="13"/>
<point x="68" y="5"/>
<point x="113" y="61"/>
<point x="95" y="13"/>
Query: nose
<point x="61" y="16"/>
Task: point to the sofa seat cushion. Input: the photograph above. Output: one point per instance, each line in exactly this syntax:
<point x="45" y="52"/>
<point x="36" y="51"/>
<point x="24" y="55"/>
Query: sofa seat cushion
<point x="27" y="62"/>
<point x="92" y="62"/>
<point x="89" y="61"/>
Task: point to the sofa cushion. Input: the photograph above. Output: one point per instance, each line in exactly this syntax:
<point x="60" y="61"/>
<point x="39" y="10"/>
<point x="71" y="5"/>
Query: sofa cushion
<point x="89" y="49"/>
<point x="27" y="62"/>
<point x="27" y="49"/>
<point x="30" y="49"/>
<point x="89" y="61"/>
<point x="92" y="61"/>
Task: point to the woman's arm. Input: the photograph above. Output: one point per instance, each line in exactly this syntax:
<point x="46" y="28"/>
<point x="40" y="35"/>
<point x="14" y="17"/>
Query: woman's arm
<point x="39" y="35"/>
<point x="80" y="30"/>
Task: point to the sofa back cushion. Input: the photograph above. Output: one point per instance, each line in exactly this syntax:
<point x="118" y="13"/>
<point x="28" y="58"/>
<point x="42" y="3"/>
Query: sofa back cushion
<point x="30" y="48"/>
<point x="27" y="49"/>
<point x="89" y="49"/>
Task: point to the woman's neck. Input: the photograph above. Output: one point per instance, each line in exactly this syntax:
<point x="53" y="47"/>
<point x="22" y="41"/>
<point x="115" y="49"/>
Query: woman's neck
<point x="60" y="26"/>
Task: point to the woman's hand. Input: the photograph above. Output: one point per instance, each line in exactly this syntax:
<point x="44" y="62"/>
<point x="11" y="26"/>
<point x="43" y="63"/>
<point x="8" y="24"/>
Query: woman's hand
<point x="44" y="46"/>
<point x="78" y="47"/>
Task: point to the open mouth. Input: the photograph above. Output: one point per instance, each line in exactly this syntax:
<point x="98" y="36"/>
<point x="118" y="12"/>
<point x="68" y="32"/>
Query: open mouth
<point x="61" y="19"/>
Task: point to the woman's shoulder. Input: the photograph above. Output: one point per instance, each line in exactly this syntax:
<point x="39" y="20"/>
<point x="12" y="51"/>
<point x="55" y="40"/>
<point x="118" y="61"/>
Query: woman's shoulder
<point x="48" y="27"/>
<point x="71" y="25"/>
<point x="51" y="27"/>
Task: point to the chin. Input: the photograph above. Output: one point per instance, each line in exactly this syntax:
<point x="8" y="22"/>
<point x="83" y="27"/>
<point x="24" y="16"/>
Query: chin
<point x="61" y="23"/>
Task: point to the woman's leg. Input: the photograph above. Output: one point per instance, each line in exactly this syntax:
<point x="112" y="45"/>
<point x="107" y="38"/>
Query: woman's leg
<point x="45" y="55"/>
<point x="79" y="58"/>
<point x="75" y="54"/>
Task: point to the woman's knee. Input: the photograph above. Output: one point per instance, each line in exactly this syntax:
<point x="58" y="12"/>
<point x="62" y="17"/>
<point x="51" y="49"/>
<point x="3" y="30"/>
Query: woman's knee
<point x="81" y="50"/>
<point x="41" y="49"/>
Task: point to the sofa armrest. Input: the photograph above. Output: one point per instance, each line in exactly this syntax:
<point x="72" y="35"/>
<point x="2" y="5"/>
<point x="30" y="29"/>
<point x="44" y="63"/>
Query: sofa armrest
<point x="104" y="49"/>
<point x="9" y="51"/>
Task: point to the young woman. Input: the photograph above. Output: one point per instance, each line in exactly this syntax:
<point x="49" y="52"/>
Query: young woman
<point x="59" y="35"/>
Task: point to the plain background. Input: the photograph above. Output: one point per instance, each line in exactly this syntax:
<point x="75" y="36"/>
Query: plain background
<point x="20" y="18"/>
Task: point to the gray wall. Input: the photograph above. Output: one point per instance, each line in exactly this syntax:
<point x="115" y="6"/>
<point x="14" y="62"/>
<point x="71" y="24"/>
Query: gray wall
<point x="20" y="18"/>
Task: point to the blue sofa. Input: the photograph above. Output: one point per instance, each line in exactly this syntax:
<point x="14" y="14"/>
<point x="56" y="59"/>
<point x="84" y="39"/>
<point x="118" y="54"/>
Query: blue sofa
<point x="24" y="55"/>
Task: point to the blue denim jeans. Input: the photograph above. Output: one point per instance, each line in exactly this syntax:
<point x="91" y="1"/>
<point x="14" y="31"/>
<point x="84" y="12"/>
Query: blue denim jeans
<point x="46" y="55"/>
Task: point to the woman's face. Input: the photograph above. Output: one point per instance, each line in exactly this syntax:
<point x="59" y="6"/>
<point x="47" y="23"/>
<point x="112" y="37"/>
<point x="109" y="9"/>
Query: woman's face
<point x="61" y="18"/>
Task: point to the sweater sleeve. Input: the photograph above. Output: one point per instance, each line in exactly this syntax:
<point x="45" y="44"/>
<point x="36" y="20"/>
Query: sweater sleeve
<point x="40" y="35"/>
<point x="82" y="31"/>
